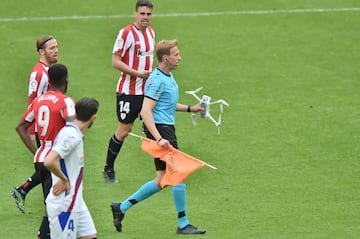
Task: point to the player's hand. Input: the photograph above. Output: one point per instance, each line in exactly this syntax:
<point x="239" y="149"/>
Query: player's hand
<point x="197" y="108"/>
<point x="145" y="74"/>
<point x="164" y="143"/>
<point x="61" y="186"/>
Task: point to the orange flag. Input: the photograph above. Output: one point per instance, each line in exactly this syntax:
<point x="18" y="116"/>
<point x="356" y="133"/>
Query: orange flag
<point x="152" y="148"/>
<point x="179" y="165"/>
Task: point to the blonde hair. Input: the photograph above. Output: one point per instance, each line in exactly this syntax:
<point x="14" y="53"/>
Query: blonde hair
<point x="163" y="48"/>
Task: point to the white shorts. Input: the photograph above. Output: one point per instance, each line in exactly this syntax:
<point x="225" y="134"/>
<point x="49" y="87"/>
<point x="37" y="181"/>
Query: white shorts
<point x="71" y="225"/>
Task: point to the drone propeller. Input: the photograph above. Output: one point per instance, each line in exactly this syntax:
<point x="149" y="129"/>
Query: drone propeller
<point x="221" y="103"/>
<point x="191" y="92"/>
<point x="219" y="123"/>
<point x="193" y="119"/>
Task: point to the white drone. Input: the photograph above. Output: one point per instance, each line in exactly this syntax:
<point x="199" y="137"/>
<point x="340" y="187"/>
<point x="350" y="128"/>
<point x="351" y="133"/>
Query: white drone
<point x="205" y="103"/>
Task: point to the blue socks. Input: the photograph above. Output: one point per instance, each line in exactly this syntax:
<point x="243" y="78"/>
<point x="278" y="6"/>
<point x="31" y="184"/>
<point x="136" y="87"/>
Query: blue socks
<point x="179" y="196"/>
<point x="150" y="188"/>
<point x="142" y="193"/>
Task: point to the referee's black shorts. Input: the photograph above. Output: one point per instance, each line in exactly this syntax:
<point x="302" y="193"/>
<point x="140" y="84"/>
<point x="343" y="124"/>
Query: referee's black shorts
<point x="167" y="132"/>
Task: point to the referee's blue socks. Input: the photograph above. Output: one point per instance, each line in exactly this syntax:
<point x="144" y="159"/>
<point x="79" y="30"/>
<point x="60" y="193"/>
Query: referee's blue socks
<point x="179" y="196"/>
<point x="142" y="193"/>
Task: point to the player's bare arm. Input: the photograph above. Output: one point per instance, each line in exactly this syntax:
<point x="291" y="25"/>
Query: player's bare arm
<point x="146" y="114"/>
<point x="52" y="162"/>
<point x="117" y="63"/>
<point x="185" y="108"/>
<point x="22" y="130"/>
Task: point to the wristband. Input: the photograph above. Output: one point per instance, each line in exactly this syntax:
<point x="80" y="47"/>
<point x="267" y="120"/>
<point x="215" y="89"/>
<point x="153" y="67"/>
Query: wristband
<point x="189" y="108"/>
<point x="158" y="141"/>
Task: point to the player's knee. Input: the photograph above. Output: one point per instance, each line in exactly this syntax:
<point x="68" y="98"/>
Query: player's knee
<point x="122" y="131"/>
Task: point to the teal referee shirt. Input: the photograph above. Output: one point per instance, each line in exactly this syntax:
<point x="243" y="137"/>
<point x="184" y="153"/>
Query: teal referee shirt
<point x="164" y="89"/>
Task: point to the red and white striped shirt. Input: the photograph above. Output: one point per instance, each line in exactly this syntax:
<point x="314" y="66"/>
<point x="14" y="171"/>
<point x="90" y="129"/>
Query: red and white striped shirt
<point x="136" y="49"/>
<point x="49" y="111"/>
<point x="38" y="81"/>
<point x="38" y="85"/>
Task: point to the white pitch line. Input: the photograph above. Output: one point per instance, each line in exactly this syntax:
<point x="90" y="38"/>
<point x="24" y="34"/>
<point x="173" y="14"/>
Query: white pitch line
<point x="195" y="14"/>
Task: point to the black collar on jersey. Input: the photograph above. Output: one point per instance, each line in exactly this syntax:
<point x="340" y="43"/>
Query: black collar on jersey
<point x="162" y="71"/>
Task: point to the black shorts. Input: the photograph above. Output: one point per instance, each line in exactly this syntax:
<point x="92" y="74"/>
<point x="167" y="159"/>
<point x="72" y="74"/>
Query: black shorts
<point x="167" y="132"/>
<point x="128" y="107"/>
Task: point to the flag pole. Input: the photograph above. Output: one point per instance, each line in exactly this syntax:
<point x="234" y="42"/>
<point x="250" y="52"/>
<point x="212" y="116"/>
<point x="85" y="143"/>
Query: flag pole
<point x="135" y="135"/>
<point x="140" y="137"/>
<point x="206" y="164"/>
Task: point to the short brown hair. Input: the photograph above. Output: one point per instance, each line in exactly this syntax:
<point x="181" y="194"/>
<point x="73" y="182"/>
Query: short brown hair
<point x="143" y="3"/>
<point x="163" y="48"/>
<point x="40" y="43"/>
<point x="85" y="108"/>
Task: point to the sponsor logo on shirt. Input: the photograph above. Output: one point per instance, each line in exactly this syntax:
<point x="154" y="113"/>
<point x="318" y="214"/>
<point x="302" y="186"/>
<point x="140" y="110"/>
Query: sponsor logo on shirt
<point x="120" y="43"/>
<point x="142" y="53"/>
<point x="67" y="143"/>
<point x="32" y="85"/>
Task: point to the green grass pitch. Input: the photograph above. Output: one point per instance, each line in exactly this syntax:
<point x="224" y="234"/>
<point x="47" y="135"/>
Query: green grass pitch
<point x="288" y="152"/>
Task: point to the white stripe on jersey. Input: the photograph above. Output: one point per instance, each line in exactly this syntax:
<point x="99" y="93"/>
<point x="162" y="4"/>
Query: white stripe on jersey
<point x="38" y="87"/>
<point x="132" y="45"/>
<point x="43" y="151"/>
<point x="70" y="107"/>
